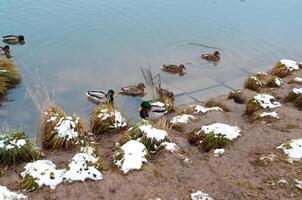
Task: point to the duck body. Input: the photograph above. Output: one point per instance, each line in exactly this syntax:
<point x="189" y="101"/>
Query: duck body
<point x="100" y="96"/>
<point x="174" y="69"/>
<point x="13" y="39"/>
<point x="5" y="51"/>
<point x="211" y="57"/>
<point x="164" y="93"/>
<point x="152" y="112"/>
<point x="133" y="90"/>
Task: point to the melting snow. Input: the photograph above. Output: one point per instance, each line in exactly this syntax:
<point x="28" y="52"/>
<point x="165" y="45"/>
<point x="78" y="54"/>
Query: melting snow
<point x="202" y="109"/>
<point x="278" y="81"/>
<point x="298" y="79"/>
<point x="229" y="132"/>
<point x="266" y="101"/>
<point x="6" y="143"/>
<point x="290" y="64"/>
<point x="199" y="195"/>
<point x="66" y="128"/>
<point x="119" y="122"/>
<point x="218" y="152"/>
<point x="134" y="156"/>
<point x="44" y="172"/>
<point x="171" y="147"/>
<point x="82" y="166"/>
<point x="293" y="149"/>
<point x="298" y="184"/>
<point x="6" y="194"/>
<point x="269" y="114"/>
<point x="181" y="119"/>
<point x="297" y="90"/>
<point x="153" y="133"/>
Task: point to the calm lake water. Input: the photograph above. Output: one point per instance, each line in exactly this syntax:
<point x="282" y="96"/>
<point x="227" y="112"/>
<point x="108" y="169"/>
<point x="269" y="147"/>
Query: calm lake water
<point x="98" y="44"/>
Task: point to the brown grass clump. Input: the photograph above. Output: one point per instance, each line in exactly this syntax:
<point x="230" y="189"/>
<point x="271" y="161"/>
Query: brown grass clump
<point x="237" y="96"/>
<point x="291" y="97"/>
<point x="298" y="102"/>
<point x="195" y="137"/>
<point x="280" y="70"/>
<point x="252" y="106"/>
<point x="9" y="75"/>
<point x="51" y="138"/>
<point x="253" y="83"/>
<point x="274" y="81"/>
<point x="103" y="119"/>
<point x="217" y="103"/>
<point x="213" y="141"/>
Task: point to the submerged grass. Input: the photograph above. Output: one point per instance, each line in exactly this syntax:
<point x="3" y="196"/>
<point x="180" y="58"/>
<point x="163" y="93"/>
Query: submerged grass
<point x="17" y="148"/>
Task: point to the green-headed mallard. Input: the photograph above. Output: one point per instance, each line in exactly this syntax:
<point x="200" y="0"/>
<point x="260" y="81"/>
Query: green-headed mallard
<point x="100" y="96"/>
<point x="133" y="90"/>
<point x="174" y="69"/>
<point x="13" y="39"/>
<point x="151" y="111"/>
<point x="211" y="57"/>
<point x="5" y="51"/>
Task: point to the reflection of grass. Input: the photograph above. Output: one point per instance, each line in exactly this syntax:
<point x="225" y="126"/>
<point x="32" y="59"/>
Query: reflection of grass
<point x="9" y="75"/>
<point x="50" y="137"/>
<point x="216" y="103"/>
<point x="280" y="70"/>
<point x="17" y="148"/>
<point x="213" y="141"/>
<point x="237" y="96"/>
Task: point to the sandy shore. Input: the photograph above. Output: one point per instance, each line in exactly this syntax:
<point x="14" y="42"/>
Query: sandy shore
<point x="237" y="174"/>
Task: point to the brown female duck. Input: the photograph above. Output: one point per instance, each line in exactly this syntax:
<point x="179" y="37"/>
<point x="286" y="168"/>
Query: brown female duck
<point x="133" y="90"/>
<point x="174" y="69"/>
<point x="211" y="57"/>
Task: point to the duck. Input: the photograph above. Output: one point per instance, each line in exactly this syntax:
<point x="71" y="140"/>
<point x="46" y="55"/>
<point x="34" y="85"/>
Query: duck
<point x="174" y="69"/>
<point x="164" y="93"/>
<point x="211" y="57"/>
<point x="100" y="96"/>
<point x="151" y="111"/>
<point x="5" y="51"/>
<point x="133" y="90"/>
<point x="13" y="39"/>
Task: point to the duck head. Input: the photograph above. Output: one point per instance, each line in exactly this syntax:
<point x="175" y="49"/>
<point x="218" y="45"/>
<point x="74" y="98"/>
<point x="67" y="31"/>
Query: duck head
<point x="182" y="67"/>
<point x="6" y="48"/>
<point x="216" y="53"/>
<point x="141" y="86"/>
<point x="110" y="95"/>
<point x="145" y="105"/>
<point x="21" y="38"/>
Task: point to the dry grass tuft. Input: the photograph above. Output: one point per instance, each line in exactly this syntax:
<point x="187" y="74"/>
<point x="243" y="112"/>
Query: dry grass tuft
<point x="9" y="75"/>
<point x="291" y="97"/>
<point x="237" y="96"/>
<point x="280" y="70"/>
<point x="17" y="148"/>
<point x="253" y="83"/>
<point x="212" y="141"/>
<point x="252" y="106"/>
<point x="298" y="102"/>
<point x="163" y="123"/>
<point x="195" y="137"/>
<point x="218" y="103"/>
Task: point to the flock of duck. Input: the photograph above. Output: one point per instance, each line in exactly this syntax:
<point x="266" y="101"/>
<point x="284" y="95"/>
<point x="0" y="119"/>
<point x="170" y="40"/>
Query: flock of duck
<point x="147" y="110"/>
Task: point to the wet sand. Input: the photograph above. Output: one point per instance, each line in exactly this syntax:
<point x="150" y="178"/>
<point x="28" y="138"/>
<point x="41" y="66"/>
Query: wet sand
<point x="237" y="174"/>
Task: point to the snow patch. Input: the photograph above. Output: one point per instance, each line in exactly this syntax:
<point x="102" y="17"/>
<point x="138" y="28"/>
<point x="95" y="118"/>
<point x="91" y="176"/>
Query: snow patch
<point x="134" y="155"/>
<point x="278" y="81"/>
<point x="181" y="119"/>
<point x="218" y="152"/>
<point x="153" y="133"/>
<point x="290" y="64"/>
<point x="298" y="79"/>
<point x="6" y="143"/>
<point x="266" y="101"/>
<point x="171" y="147"/>
<point x="199" y="195"/>
<point x="293" y="149"/>
<point x="65" y="128"/>
<point x="298" y="184"/>
<point x="119" y="122"/>
<point x="269" y="114"/>
<point x="297" y="91"/>
<point x="6" y="194"/>
<point x="229" y="132"/>
<point x="202" y="109"/>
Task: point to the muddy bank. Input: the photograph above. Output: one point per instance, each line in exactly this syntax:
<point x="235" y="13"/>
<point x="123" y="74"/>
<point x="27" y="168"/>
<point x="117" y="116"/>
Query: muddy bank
<point x="237" y="174"/>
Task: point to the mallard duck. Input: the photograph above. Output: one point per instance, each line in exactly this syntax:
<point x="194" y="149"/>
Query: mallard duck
<point x="164" y="93"/>
<point x="13" y="39"/>
<point x="151" y="111"/>
<point x="100" y="96"/>
<point x="5" y="51"/>
<point x="133" y="90"/>
<point x="174" y="69"/>
<point x="211" y="57"/>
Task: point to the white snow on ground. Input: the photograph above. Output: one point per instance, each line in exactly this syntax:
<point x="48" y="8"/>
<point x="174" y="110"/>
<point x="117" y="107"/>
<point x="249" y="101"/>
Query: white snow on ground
<point x="82" y="166"/>
<point x="266" y="101"/>
<point x="181" y="119"/>
<point x="66" y="128"/>
<point x="6" y="143"/>
<point x="153" y="133"/>
<point x="169" y="146"/>
<point x="268" y="157"/>
<point x="297" y="90"/>
<point x="298" y="184"/>
<point x="44" y="172"/>
<point x="293" y="149"/>
<point x="134" y="156"/>
<point x="202" y="109"/>
<point x="278" y="81"/>
<point x="298" y="79"/>
<point x="262" y="73"/>
<point x="229" y="132"/>
<point x="282" y="181"/>
<point x="199" y="195"/>
<point x="6" y="194"/>
<point x="269" y="114"/>
<point x="290" y="64"/>
<point x="218" y="152"/>
<point x="119" y="122"/>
